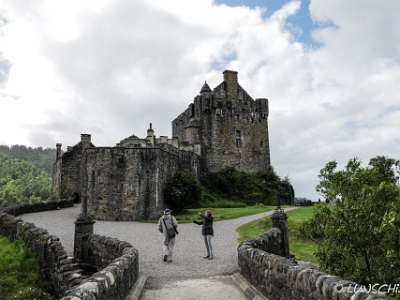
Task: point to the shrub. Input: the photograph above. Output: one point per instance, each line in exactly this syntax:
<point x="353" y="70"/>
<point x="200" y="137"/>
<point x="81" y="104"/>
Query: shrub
<point x="183" y="191"/>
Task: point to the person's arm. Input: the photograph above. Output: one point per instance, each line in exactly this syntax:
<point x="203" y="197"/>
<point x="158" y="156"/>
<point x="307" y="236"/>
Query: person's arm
<point x="197" y="222"/>
<point x="160" y="229"/>
<point x="206" y="218"/>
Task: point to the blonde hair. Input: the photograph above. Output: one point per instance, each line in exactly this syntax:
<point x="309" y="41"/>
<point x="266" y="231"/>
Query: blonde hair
<point x="208" y="213"/>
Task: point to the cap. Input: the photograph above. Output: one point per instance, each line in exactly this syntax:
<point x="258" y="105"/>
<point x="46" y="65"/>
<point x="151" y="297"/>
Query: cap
<point x="167" y="210"/>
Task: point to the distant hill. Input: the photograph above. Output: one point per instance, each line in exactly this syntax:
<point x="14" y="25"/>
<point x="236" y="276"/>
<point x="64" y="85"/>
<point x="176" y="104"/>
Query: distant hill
<point x="41" y="158"/>
<point x="22" y="182"/>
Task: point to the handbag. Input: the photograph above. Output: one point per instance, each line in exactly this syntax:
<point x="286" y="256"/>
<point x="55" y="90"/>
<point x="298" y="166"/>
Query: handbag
<point x="170" y="231"/>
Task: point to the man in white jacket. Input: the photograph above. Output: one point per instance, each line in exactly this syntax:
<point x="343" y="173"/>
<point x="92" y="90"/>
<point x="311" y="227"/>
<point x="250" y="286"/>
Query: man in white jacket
<point x="166" y="222"/>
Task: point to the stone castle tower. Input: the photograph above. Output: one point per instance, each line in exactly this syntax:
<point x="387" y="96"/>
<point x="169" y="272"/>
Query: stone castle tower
<point x="224" y="126"/>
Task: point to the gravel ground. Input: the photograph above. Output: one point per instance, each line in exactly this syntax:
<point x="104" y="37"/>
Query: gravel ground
<point x="189" y="248"/>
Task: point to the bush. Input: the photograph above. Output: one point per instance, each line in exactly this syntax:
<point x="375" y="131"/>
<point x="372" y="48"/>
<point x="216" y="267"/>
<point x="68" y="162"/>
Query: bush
<point x="183" y="191"/>
<point x="238" y="186"/>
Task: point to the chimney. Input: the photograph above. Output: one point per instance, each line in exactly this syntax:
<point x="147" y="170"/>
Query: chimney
<point x="58" y="151"/>
<point x="85" y="141"/>
<point x="231" y="81"/>
<point x="150" y="135"/>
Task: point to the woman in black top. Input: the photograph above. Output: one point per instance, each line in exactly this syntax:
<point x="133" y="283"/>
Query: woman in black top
<point x="207" y="231"/>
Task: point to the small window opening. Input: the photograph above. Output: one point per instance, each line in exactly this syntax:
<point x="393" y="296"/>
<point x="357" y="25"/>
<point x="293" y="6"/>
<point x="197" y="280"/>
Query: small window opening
<point x="238" y="139"/>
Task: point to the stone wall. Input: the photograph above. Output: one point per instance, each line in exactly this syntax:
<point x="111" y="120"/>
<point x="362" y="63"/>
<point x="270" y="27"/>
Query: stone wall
<point x="125" y="184"/>
<point x="107" y="268"/>
<point x="119" y="270"/>
<point x="25" y="208"/>
<point x="67" y="168"/>
<point x="277" y="277"/>
<point x="56" y="266"/>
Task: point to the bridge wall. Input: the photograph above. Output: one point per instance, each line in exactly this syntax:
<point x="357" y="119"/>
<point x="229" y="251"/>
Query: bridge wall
<point x="107" y="268"/>
<point x="261" y="263"/>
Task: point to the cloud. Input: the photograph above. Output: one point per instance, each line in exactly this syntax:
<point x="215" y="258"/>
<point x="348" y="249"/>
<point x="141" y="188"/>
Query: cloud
<point x="111" y="68"/>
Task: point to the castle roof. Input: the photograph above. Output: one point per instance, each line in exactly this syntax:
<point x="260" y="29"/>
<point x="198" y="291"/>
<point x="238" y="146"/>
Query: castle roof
<point x="205" y="88"/>
<point x="133" y="137"/>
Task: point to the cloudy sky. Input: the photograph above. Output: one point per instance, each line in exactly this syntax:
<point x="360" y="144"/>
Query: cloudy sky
<point x="330" y="69"/>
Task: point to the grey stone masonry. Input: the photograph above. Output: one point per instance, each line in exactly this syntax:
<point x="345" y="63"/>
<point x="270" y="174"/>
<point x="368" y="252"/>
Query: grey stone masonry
<point x="263" y="262"/>
<point x="279" y="220"/>
<point x="83" y="229"/>
<point x="106" y="269"/>
<point x="225" y="126"/>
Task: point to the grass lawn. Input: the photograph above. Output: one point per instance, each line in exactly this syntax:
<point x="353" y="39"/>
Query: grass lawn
<point x="219" y="214"/>
<point x="301" y="248"/>
<point x="20" y="272"/>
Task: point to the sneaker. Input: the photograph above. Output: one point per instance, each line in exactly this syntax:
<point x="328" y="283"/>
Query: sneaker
<point x="207" y="256"/>
<point x="169" y="261"/>
<point x="165" y="257"/>
<point x="211" y="257"/>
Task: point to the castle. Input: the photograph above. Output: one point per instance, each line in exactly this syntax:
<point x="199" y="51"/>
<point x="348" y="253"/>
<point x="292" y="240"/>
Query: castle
<point x="224" y="126"/>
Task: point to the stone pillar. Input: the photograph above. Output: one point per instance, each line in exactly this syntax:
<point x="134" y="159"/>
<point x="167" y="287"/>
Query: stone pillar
<point x="279" y="220"/>
<point x="83" y="228"/>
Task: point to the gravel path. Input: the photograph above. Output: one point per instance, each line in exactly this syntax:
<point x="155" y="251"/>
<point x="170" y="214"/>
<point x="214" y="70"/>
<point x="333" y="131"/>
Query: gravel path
<point x="189" y="247"/>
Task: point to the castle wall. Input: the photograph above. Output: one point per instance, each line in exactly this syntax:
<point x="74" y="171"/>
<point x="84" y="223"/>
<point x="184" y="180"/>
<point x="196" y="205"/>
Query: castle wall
<point x="67" y="171"/>
<point x="127" y="184"/>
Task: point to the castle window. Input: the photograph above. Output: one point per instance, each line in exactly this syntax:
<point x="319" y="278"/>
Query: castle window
<point x="261" y="144"/>
<point x="238" y="139"/>
<point x="237" y="118"/>
<point x="121" y="160"/>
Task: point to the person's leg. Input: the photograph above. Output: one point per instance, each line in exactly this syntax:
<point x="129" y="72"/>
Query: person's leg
<point x="171" y="245"/>
<point x="207" y="247"/>
<point x="166" y="249"/>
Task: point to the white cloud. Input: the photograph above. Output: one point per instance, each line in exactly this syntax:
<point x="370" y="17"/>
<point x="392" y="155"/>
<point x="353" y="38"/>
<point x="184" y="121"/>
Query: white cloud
<point x="111" y="68"/>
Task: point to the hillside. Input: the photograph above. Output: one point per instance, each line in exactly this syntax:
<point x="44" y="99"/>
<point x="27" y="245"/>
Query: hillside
<point x="41" y="158"/>
<point x="22" y="182"/>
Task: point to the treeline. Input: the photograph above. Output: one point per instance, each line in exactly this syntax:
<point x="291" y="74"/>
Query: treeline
<point x="227" y="188"/>
<point x="22" y="182"/>
<point x="41" y="158"/>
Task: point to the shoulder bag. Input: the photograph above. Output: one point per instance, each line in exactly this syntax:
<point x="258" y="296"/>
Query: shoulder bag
<point x="170" y="231"/>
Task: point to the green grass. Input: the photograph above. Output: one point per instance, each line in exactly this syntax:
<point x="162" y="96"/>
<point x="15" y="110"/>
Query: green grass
<point x="20" y="272"/>
<point x="302" y="249"/>
<point x="219" y="214"/>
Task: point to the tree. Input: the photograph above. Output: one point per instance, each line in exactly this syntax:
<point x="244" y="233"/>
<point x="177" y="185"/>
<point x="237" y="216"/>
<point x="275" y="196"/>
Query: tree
<point x="22" y="182"/>
<point x="361" y="225"/>
<point x="183" y="191"/>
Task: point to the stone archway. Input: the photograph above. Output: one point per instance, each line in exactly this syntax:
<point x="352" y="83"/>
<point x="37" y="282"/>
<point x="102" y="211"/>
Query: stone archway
<point x="77" y="198"/>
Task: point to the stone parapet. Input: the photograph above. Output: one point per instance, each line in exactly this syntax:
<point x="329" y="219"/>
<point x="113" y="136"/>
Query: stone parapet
<point x="107" y="269"/>
<point x="119" y="263"/>
<point x="26" y="208"/>
<point x="261" y="263"/>
<point x="53" y="259"/>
